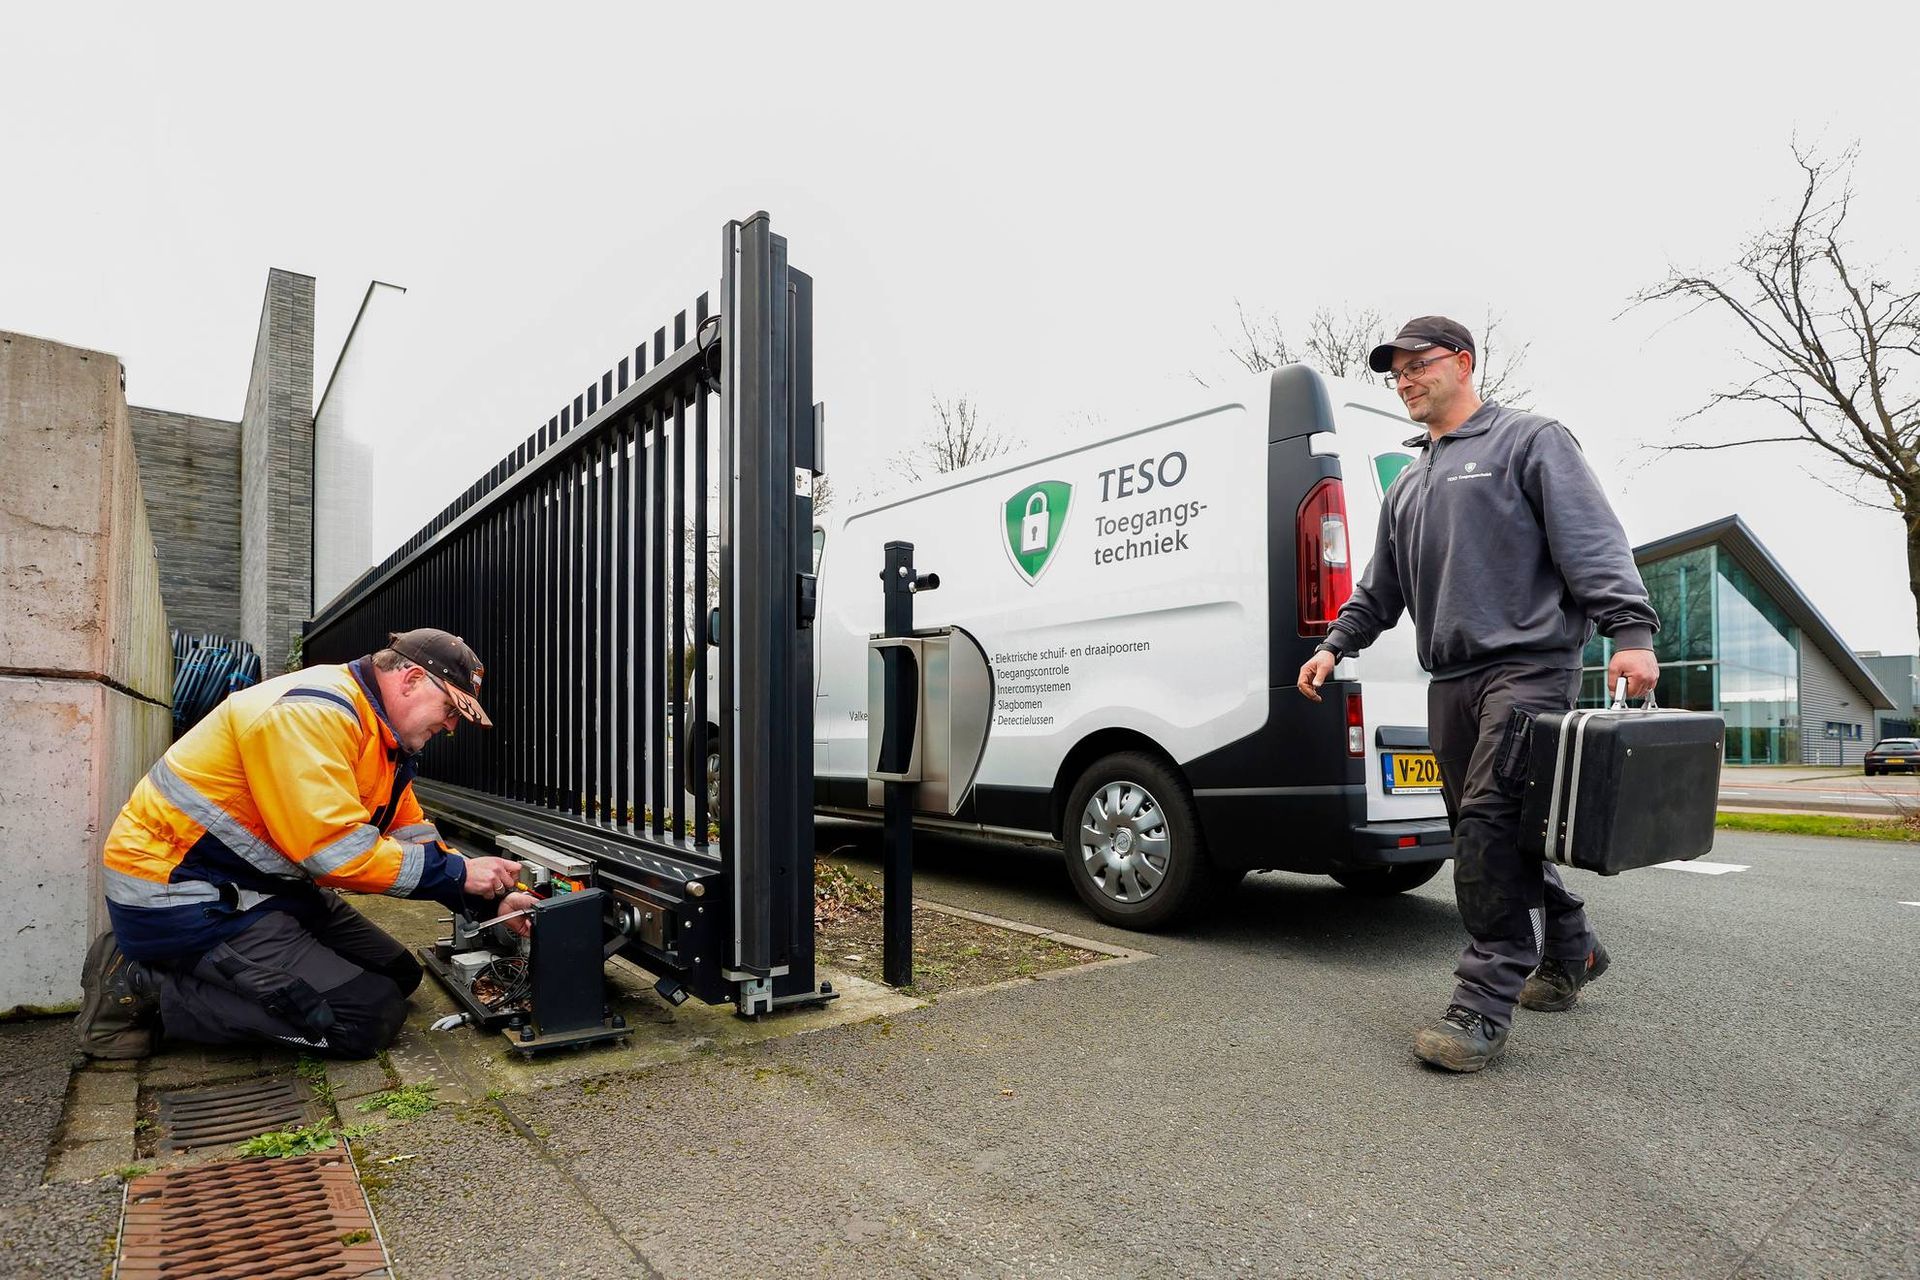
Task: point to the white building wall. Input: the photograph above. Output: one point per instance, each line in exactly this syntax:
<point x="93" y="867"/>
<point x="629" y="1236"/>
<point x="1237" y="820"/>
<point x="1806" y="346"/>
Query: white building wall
<point x="1827" y="697"/>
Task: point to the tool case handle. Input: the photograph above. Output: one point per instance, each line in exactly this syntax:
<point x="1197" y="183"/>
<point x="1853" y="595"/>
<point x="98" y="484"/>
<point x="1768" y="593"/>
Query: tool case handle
<point x="1620" y="698"/>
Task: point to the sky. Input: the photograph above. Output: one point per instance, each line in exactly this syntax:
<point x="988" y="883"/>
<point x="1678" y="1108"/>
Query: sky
<point x="1053" y="210"/>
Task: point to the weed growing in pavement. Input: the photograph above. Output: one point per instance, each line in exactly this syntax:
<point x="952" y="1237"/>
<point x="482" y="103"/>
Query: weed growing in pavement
<point x="357" y="1237"/>
<point x="291" y="1142"/>
<point x="128" y="1172"/>
<point x="314" y="1072"/>
<point x="408" y="1102"/>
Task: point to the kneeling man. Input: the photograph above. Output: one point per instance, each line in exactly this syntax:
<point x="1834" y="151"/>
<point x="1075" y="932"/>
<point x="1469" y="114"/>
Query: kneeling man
<point x="221" y="869"/>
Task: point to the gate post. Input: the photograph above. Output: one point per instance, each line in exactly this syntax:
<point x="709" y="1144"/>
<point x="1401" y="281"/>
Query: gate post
<point x="765" y="658"/>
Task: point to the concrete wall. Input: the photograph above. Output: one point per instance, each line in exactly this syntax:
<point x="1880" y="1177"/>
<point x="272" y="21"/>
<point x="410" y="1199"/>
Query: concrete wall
<point x="85" y="667"/>
<point x="276" y="474"/>
<point x="190" y="471"/>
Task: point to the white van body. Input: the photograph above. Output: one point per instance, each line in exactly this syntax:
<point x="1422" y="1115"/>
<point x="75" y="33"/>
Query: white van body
<point x="1140" y="602"/>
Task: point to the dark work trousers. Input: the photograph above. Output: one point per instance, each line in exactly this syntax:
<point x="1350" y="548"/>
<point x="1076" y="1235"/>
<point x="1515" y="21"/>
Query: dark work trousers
<point x="1514" y="905"/>
<point x="333" y="982"/>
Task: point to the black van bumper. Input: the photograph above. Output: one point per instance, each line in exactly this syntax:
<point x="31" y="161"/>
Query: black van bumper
<point x="1387" y="843"/>
<point x="1312" y="829"/>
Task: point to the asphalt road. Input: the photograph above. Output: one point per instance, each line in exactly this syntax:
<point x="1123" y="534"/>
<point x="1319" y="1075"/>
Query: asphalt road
<point x="1738" y="1097"/>
<point x="1826" y="790"/>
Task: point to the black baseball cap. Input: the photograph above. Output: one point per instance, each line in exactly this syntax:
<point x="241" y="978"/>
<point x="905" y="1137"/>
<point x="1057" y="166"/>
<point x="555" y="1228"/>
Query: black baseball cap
<point x="1420" y="334"/>
<point x="447" y="658"/>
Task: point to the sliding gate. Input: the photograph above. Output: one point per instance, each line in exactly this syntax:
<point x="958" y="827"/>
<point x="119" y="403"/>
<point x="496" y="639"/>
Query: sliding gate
<point x="659" y="523"/>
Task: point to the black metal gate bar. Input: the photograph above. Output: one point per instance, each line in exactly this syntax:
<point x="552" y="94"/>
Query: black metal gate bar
<point x="566" y="564"/>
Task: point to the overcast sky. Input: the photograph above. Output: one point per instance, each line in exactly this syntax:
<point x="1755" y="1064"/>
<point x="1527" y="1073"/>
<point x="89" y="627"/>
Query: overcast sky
<point x="1050" y="210"/>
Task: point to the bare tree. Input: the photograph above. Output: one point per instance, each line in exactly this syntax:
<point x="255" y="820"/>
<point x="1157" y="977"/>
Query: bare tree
<point x="1337" y="344"/>
<point x="822" y="495"/>
<point x="1825" y="342"/>
<point x="1497" y="366"/>
<point x="957" y="437"/>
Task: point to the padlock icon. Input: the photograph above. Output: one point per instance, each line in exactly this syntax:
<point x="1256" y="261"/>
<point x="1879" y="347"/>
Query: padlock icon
<point x="1033" y="529"/>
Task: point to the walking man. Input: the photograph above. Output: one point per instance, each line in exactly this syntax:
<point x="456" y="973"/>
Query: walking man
<point x="1500" y="544"/>
<point x="221" y="868"/>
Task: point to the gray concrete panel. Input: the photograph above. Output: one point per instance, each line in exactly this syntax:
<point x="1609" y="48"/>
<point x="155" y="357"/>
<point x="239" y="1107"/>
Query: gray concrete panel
<point x="276" y="474"/>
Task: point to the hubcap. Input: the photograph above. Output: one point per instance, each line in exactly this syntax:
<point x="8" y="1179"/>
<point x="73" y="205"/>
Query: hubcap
<point x="1124" y="842"/>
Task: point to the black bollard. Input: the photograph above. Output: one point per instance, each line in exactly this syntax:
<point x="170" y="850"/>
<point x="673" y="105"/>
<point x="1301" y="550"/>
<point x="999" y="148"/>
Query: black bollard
<point x="901" y="707"/>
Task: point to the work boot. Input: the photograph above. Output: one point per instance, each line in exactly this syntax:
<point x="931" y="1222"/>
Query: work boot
<point x="1556" y="984"/>
<point x="1461" y="1040"/>
<point x="122" y="1003"/>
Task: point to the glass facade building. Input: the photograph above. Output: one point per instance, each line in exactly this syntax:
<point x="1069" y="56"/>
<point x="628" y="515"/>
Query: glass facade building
<point x="1728" y="641"/>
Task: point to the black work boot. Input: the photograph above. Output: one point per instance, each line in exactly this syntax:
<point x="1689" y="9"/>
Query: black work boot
<point x="1461" y="1040"/>
<point x="122" y="1003"/>
<point x="1556" y="984"/>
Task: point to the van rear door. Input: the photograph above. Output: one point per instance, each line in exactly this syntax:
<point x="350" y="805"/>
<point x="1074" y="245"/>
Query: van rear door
<point x="1403" y="778"/>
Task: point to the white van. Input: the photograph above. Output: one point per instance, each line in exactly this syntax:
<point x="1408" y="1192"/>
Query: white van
<point x="1146" y="601"/>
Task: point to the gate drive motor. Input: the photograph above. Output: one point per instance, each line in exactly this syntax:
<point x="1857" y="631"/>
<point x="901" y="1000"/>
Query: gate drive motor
<point x="547" y="990"/>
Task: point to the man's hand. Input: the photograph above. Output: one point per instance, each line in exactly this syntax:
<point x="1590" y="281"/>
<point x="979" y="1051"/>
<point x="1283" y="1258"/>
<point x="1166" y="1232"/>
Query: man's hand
<point x="491" y="877"/>
<point x="1314" y="672"/>
<point x="518" y="902"/>
<point x="1639" y="666"/>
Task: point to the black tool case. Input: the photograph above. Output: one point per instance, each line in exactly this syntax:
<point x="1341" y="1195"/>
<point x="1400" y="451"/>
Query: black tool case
<point x="1611" y="790"/>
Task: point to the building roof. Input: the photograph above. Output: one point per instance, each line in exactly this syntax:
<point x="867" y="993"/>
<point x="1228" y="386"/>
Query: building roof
<point x="1732" y="535"/>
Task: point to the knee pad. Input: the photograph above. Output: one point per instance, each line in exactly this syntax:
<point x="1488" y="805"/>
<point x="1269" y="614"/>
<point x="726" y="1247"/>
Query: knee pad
<point x="367" y="1014"/>
<point x="405" y="973"/>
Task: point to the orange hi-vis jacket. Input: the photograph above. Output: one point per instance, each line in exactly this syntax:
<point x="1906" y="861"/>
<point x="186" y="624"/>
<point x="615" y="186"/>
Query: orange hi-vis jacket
<point x="293" y="783"/>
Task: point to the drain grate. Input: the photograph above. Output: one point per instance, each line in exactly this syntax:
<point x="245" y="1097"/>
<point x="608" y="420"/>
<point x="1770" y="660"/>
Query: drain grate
<point x="242" y="1219"/>
<point x="227" y="1113"/>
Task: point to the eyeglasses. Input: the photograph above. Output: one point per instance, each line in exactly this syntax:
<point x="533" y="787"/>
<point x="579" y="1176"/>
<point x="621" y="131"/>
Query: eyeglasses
<point x="1416" y="366"/>
<point x="453" y="708"/>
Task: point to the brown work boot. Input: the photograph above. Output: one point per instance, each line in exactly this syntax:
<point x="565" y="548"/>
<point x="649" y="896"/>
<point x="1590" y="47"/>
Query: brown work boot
<point x="122" y="1003"/>
<point x="1556" y="984"/>
<point x="1459" y="1040"/>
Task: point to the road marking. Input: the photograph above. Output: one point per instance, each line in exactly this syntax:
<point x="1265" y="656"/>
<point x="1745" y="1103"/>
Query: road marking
<point x="1702" y="868"/>
<point x="1910" y="904"/>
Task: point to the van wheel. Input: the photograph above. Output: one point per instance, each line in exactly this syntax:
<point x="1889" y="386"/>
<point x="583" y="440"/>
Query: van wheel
<point x="1133" y="845"/>
<point x="1383" y="882"/>
<point x="702" y="767"/>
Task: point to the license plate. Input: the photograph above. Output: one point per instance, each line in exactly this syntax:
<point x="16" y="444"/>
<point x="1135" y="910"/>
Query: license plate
<point x="1894" y="760"/>
<point x="1409" y="771"/>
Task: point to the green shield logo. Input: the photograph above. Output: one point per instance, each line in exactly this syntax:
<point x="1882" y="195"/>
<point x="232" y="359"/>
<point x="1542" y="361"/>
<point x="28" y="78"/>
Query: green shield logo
<point x="1387" y="468"/>
<point x="1034" y="520"/>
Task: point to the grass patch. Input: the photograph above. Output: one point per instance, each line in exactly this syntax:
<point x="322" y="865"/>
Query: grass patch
<point x="357" y="1237"/>
<point x="128" y="1172"/>
<point x="1821" y="824"/>
<point x="408" y="1102"/>
<point x="949" y="952"/>
<point x="292" y="1142"/>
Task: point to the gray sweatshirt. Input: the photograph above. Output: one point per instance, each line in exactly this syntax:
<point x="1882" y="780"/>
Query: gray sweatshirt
<point x="1500" y="544"/>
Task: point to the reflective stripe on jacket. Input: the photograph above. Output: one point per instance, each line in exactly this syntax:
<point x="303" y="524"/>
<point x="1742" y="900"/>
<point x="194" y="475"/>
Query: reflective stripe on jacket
<point x="295" y="782"/>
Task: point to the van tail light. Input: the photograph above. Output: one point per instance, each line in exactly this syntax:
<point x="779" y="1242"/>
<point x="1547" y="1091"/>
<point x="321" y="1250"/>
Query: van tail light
<point x="1325" y="576"/>
<point x="1356" y="727"/>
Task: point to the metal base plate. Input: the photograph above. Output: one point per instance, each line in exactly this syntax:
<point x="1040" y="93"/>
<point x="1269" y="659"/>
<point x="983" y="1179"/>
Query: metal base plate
<point x="565" y="1039"/>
